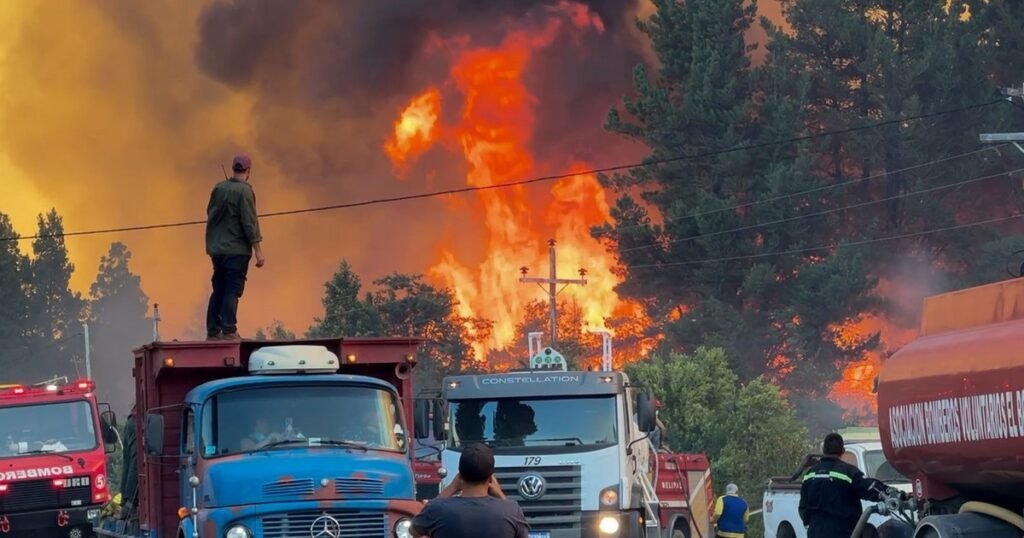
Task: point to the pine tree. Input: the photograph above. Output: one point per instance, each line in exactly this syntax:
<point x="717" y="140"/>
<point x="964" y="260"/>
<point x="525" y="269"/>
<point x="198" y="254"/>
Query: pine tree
<point x="403" y="305"/>
<point x="14" y="268"/>
<point x="344" y="313"/>
<point x="118" y="323"/>
<point x="773" y="313"/>
<point x="55" y="311"/>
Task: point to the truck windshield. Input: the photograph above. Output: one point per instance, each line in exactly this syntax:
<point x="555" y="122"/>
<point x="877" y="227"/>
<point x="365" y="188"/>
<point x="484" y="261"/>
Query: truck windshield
<point x="878" y="467"/>
<point x="528" y="422"/>
<point x="289" y="416"/>
<point x="51" y="427"/>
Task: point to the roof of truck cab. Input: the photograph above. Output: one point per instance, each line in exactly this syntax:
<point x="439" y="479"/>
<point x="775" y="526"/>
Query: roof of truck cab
<point x="533" y="383"/>
<point x="204" y="391"/>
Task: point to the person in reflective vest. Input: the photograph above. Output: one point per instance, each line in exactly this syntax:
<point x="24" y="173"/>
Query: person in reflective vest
<point x="831" y="492"/>
<point x="731" y="514"/>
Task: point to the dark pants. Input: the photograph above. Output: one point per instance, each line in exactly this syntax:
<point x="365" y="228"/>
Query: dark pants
<point x="827" y="527"/>
<point x="229" y="274"/>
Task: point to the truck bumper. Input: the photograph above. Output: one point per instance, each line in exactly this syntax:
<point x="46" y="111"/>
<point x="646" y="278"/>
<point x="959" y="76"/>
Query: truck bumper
<point x="278" y="520"/>
<point x="56" y="523"/>
<point x="590" y="527"/>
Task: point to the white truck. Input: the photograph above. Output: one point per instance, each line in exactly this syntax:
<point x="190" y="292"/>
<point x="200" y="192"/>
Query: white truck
<point x="782" y="494"/>
<point x="572" y="449"/>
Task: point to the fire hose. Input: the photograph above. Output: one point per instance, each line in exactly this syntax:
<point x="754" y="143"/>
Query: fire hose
<point x="994" y="511"/>
<point x="863" y="521"/>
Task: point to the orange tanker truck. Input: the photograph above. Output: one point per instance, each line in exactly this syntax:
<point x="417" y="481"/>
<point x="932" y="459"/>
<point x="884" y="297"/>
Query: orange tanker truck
<point x="951" y="414"/>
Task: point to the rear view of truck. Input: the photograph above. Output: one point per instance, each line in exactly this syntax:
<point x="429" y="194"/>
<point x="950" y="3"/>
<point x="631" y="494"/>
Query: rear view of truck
<point x="951" y="413"/>
<point x="53" y="475"/>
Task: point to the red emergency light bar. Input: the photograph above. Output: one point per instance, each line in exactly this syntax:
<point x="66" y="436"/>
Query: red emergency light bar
<point x="83" y="386"/>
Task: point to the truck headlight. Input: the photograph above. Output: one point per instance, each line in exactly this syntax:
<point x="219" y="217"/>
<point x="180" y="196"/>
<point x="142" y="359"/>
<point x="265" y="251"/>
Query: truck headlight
<point x="609" y="525"/>
<point x="403" y="529"/>
<point x="609" y="497"/>
<point x="238" y="531"/>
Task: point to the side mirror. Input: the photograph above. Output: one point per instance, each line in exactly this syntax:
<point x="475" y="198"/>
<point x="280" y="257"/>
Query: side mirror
<point x="646" y="415"/>
<point x="421" y="418"/>
<point x="440" y="432"/>
<point x="109" y="418"/>
<point x="154" y="438"/>
<point x="108" y="421"/>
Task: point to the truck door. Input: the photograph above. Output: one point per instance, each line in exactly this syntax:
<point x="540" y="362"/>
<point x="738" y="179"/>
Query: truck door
<point x="186" y="464"/>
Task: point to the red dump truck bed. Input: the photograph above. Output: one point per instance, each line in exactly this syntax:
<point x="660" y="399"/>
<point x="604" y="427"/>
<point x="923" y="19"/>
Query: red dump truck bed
<point x="951" y="404"/>
<point x="166" y="371"/>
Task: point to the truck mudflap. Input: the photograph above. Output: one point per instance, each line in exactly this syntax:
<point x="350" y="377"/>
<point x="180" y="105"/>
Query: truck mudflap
<point x="52" y="523"/>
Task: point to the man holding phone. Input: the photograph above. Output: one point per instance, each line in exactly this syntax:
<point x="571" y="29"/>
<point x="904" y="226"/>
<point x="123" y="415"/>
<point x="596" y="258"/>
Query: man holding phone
<point x="473" y="505"/>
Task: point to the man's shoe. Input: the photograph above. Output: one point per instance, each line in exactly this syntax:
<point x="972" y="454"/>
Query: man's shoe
<point x="230" y="336"/>
<point x="216" y="336"/>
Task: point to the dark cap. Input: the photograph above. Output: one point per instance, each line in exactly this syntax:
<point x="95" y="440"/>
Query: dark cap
<point x="833" y="445"/>
<point x="241" y="163"/>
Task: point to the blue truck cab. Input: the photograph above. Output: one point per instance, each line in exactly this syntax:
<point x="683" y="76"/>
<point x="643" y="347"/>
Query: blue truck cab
<point x="308" y="441"/>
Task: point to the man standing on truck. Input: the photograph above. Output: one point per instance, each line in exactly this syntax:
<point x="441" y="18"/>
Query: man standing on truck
<point x="473" y="505"/>
<point x="731" y="514"/>
<point x="831" y="492"/>
<point x="232" y="235"/>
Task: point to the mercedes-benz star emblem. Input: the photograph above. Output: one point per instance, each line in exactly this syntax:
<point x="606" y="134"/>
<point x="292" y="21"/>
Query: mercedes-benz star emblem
<point x="531" y="486"/>
<point x="325" y="526"/>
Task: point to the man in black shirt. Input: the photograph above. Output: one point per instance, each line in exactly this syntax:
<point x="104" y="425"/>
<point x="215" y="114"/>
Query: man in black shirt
<point x="473" y="505"/>
<point x="831" y="493"/>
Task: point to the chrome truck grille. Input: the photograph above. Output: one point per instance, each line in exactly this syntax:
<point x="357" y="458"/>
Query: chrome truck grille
<point x="558" y="508"/>
<point x="300" y="524"/>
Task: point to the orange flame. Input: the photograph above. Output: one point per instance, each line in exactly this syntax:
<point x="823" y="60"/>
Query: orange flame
<point x="494" y="132"/>
<point x="855" y="390"/>
<point x="415" y="129"/>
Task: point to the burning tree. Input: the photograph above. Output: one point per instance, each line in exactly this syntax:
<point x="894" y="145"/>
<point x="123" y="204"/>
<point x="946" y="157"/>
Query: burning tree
<point x="681" y="259"/>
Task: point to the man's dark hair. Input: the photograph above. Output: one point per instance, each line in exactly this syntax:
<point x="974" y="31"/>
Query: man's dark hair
<point x="833" y="445"/>
<point x="476" y="465"/>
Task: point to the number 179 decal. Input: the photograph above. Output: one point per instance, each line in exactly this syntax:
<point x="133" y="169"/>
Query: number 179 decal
<point x="532" y="460"/>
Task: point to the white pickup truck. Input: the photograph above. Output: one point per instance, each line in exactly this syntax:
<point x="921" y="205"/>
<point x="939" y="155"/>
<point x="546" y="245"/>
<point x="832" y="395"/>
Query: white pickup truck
<point x="782" y="494"/>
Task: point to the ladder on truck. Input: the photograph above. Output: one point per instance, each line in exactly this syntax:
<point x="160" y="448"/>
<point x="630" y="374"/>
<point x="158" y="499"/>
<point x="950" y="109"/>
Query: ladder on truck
<point x="652" y="527"/>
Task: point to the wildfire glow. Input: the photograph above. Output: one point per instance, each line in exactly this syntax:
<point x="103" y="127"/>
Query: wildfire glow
<point x="854" y="392"/>
<point x="495" y="131"/>
<point x="415" y="129"/>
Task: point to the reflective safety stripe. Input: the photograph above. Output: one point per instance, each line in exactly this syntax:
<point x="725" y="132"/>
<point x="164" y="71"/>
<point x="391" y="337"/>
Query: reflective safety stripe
<point x="730" y="534"/>
<point x="831" y="474"/>
<point x="840" y="476"/>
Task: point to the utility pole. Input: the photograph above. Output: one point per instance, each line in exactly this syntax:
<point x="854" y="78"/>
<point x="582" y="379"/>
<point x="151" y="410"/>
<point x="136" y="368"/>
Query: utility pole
<point x="553" y="281"/>
<point x="1001" y="138"/>
<point x="156" y="322"/>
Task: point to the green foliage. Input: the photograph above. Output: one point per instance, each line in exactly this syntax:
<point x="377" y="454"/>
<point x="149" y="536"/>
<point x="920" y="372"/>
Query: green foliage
<point x="276" y="331"/>
<point x="14" y="276"/>
<point x="55" y="312"/>
<point x="403" y="305"/>
<point x="747" y="429"/>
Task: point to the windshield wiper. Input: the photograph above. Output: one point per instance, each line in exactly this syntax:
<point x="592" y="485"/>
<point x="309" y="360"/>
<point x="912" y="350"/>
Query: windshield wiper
<point x="282" y="442"/>
<point x="338" y="442"/>
<point x="52" y="452"/>
<point x="575" y="440"/>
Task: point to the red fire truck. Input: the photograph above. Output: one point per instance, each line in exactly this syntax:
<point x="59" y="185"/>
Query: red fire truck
<point x="53" y="444"/>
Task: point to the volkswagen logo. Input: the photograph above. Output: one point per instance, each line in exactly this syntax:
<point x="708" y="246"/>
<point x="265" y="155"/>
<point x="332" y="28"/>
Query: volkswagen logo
<point x="531" y="486"/>
<point x="325" y="526"/>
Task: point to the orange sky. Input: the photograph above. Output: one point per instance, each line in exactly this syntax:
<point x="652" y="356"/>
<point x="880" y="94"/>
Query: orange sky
<point x="107" y="118"/>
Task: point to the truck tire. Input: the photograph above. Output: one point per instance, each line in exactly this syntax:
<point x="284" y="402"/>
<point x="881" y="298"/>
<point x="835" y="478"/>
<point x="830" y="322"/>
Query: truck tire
<point x="785" y="531"/>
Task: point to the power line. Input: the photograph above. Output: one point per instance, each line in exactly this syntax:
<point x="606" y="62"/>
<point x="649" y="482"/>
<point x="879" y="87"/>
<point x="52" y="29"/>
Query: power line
<point x="822" y="188"/>
<point x="827" y="211"/>
<point x="539" y="179"/>
<point x="830" y="247"/>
